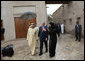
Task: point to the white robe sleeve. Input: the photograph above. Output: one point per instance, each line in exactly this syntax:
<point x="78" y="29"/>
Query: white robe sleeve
<point x="37" y="30"/>
<point x="28" y="35"/>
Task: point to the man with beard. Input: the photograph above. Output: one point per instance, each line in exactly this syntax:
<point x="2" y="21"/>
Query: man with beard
<point x="32" y="37"/>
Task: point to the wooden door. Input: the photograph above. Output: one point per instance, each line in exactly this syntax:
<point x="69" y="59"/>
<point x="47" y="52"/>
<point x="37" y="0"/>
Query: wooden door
<point x="21" y="27"/>
<point x="28" y="23"/>
<point x="2" y="35"/>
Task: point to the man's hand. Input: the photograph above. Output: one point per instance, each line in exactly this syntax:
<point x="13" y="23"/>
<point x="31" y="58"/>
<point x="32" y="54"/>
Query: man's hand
<point x="46" y="39"/>
<point x="44" y="29"/>
<point x="38" y="39"/>
<point x="49" y="25"/>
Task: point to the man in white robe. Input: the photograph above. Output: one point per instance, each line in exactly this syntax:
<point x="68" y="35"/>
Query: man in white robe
<point x="62" y="28"/>
<point x="37" y="38"/>
<point x="32" y="37"/>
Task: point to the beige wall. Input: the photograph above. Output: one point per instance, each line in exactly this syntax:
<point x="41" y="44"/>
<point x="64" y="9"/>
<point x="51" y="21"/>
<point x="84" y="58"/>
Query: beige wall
<point x="8" y="20"/>
<point x="10" y="9"/>
<point x="72" y="10"/>
<point x="58" y="15"/>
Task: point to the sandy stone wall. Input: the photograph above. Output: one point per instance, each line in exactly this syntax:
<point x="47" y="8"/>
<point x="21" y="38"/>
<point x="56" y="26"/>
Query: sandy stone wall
<point x="68" y="14"/>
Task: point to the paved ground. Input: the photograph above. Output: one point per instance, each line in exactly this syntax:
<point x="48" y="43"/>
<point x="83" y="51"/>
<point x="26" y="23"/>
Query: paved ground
<point x="66" y="49"/>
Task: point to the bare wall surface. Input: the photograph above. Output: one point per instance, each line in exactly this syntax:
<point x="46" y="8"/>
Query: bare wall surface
<point x="9" y="10"/>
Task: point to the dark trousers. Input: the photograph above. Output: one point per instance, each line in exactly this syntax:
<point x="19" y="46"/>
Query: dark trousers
<point x="58" y="34"/>
<point x="78" y="36"/>
<point x="41" y="45"/>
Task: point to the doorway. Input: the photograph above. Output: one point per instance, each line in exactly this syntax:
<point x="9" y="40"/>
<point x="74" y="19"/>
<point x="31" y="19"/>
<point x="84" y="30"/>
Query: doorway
<point x="21" y="27"/>
<point x="2" y="35"/>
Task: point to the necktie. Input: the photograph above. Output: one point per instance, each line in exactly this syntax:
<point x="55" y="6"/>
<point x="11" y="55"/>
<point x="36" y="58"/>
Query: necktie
<point x="42" y="29"/>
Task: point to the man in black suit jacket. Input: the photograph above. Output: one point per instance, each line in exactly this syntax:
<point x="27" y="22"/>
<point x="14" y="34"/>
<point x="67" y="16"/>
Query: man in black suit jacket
<point x="43" y="36"/>
<point x="78" y="30"/>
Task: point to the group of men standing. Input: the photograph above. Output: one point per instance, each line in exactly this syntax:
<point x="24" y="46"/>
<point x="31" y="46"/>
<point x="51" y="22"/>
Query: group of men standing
<point x="41" y="33"/>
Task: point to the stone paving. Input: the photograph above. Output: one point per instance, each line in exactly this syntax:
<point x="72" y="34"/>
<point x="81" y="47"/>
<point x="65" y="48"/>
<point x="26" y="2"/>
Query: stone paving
<point x="66" y="49"/>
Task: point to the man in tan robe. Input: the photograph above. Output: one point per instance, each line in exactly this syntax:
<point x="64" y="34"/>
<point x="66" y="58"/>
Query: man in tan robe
<point x="32" y="37"/>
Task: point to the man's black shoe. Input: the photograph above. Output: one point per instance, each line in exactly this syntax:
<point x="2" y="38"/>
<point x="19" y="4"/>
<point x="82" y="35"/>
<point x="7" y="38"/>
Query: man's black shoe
<point x="40" y="54"/>
<point x="79" y="40"/>
<point x="46" y="51"/>
<point x="76" y="40"/>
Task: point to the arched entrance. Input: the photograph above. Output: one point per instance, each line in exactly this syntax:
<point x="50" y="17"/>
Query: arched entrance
<point x="21" y="27"/>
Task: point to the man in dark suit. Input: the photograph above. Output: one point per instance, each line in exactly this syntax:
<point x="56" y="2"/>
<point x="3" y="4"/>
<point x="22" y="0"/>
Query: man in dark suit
<point x="43" y="36"/>
<point x="78" y="30"/>
<point x="59" y="29"/>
